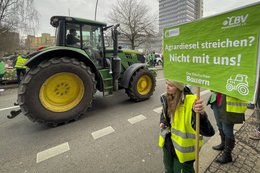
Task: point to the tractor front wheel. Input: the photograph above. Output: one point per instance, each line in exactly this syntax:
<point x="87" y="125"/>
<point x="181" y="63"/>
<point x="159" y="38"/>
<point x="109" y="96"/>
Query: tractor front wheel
<point x="57" y="91"/>
<point x="141" y="86"/>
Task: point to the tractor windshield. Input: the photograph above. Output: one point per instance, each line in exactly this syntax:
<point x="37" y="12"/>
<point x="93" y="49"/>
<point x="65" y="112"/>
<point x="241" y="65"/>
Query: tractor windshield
<point x="87" y="37"/>
<point x="93" y="42"/>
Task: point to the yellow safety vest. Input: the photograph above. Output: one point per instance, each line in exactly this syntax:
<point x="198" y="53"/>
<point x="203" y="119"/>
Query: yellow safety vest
<point x="182" y="134"/>
<point x="20" y="62"/>
<point x="235" y="105"/>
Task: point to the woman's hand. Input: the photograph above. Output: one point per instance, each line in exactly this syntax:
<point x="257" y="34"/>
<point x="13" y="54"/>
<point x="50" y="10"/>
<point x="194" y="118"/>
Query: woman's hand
<point x="198" y="106"/>
<point x="162" y="126"/>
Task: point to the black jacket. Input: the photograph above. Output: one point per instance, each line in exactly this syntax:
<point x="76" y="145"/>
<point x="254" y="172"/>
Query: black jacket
<point x="206" y="128"/>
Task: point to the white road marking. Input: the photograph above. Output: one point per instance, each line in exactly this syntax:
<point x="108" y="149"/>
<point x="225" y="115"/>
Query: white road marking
<point x="1" y="90"/>
<point x="51" y="152"/>
<point x="13" y="107"/>
<point x="136" y="119"/>
<point x="102" y="132"/>
<point x="158" y="110"/>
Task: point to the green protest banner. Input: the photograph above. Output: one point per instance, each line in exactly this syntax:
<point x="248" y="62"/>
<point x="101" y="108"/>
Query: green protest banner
<point x="218" y="53"/>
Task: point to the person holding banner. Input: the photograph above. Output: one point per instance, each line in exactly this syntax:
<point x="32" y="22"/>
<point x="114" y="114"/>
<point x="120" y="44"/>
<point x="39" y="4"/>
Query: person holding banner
<point x="177" y="127"/>
<point x="232" y="111"/>
<point x="214" y="102"/>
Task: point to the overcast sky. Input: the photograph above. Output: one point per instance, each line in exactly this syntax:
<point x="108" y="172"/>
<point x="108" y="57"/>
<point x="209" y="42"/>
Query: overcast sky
<point x="86" y="9"/>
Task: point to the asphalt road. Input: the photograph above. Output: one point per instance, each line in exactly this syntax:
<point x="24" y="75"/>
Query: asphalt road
<point x="115" y="135"/>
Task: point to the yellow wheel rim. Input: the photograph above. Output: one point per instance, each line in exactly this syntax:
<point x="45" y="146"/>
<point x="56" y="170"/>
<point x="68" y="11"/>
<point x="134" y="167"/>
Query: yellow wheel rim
<point x="144" y="85"/>
<point x="61" y="92"/>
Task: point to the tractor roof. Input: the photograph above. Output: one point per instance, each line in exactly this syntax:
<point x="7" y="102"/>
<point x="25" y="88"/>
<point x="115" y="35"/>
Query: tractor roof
<point x="55" y="20"/>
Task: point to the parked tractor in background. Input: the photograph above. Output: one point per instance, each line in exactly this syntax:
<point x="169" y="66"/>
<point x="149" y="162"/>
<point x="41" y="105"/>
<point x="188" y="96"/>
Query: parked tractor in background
<point x="62" y="80"/>
<point x="158" y="59"/>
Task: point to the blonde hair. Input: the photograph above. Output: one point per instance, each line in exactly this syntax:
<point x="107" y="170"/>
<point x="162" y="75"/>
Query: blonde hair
<point x="173" y="102"/>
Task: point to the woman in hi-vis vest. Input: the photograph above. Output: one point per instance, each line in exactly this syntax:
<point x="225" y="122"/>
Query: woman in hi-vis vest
<point x="177" y="127"/>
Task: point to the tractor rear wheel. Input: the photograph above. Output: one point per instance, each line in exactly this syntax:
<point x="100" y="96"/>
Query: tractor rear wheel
<point x="141" y="85"/>
<point x="57" y="91"/>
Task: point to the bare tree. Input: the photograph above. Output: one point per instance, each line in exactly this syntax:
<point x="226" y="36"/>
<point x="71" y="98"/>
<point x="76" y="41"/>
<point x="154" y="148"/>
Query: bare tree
<point x="9" y="41"/>
<point x="136" y="22"/>
<point x="18" y="15"/>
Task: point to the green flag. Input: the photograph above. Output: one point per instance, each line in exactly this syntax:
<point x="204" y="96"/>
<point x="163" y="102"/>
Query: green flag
<point x="218" y="53"/>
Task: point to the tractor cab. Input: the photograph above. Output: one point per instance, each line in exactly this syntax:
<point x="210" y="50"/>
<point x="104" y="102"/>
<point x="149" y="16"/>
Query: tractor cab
<point x="82" y="34"/>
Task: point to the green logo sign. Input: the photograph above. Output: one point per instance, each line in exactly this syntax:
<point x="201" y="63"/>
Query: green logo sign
<point x="218" y="53"/>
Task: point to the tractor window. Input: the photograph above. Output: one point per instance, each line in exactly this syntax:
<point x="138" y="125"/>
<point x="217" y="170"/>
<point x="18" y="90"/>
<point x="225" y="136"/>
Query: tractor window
<point x="73" y="35"/>
<point x="239" y="79"/>
<point x="141" y="58"/>
<point x="92" y="42"/>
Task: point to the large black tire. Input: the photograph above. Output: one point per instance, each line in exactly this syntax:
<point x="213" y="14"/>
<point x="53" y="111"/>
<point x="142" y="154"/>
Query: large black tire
<point x="57" y="91"/>
<point x="141" y="86"/>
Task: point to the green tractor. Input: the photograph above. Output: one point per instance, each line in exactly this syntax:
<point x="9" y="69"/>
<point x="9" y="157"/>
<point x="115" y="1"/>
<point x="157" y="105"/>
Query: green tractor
<point x="62" y="80"/>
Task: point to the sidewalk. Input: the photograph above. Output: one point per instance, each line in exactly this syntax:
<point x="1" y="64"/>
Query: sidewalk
<point x="245" y="154"/>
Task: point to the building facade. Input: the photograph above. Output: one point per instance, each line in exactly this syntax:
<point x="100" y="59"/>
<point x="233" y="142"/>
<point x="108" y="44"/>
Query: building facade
<point x="32" y="42"/>
<point x="175" y="12"/>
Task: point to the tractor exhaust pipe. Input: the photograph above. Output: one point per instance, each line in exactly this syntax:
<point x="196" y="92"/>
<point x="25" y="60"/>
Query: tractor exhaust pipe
<point x="116" y="61"/>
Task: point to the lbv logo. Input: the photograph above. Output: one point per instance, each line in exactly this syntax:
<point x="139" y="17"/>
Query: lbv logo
<point x="234" y="21"/>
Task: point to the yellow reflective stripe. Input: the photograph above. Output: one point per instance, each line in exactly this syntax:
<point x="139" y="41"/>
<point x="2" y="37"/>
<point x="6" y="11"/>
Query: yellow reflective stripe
<point x="186" y="153"/>
<point x="184" y="135"/>
<point x="235" y="105"/>
<point x="182" y="149"/>
<point x="185" y="142"/>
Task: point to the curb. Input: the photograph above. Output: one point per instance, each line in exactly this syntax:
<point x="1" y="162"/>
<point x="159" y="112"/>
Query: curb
<point x="207" y="154"/>
<point x="9" y="86"/>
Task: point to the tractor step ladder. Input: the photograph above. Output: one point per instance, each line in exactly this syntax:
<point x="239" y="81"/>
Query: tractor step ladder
<point x="107" y="82"/>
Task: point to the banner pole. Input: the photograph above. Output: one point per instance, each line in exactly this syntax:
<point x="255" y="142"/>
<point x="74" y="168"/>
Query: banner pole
<point x="197" y="135"/>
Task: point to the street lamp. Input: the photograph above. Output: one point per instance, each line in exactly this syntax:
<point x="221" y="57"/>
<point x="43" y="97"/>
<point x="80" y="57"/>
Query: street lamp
<point x="96" y="10"/>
